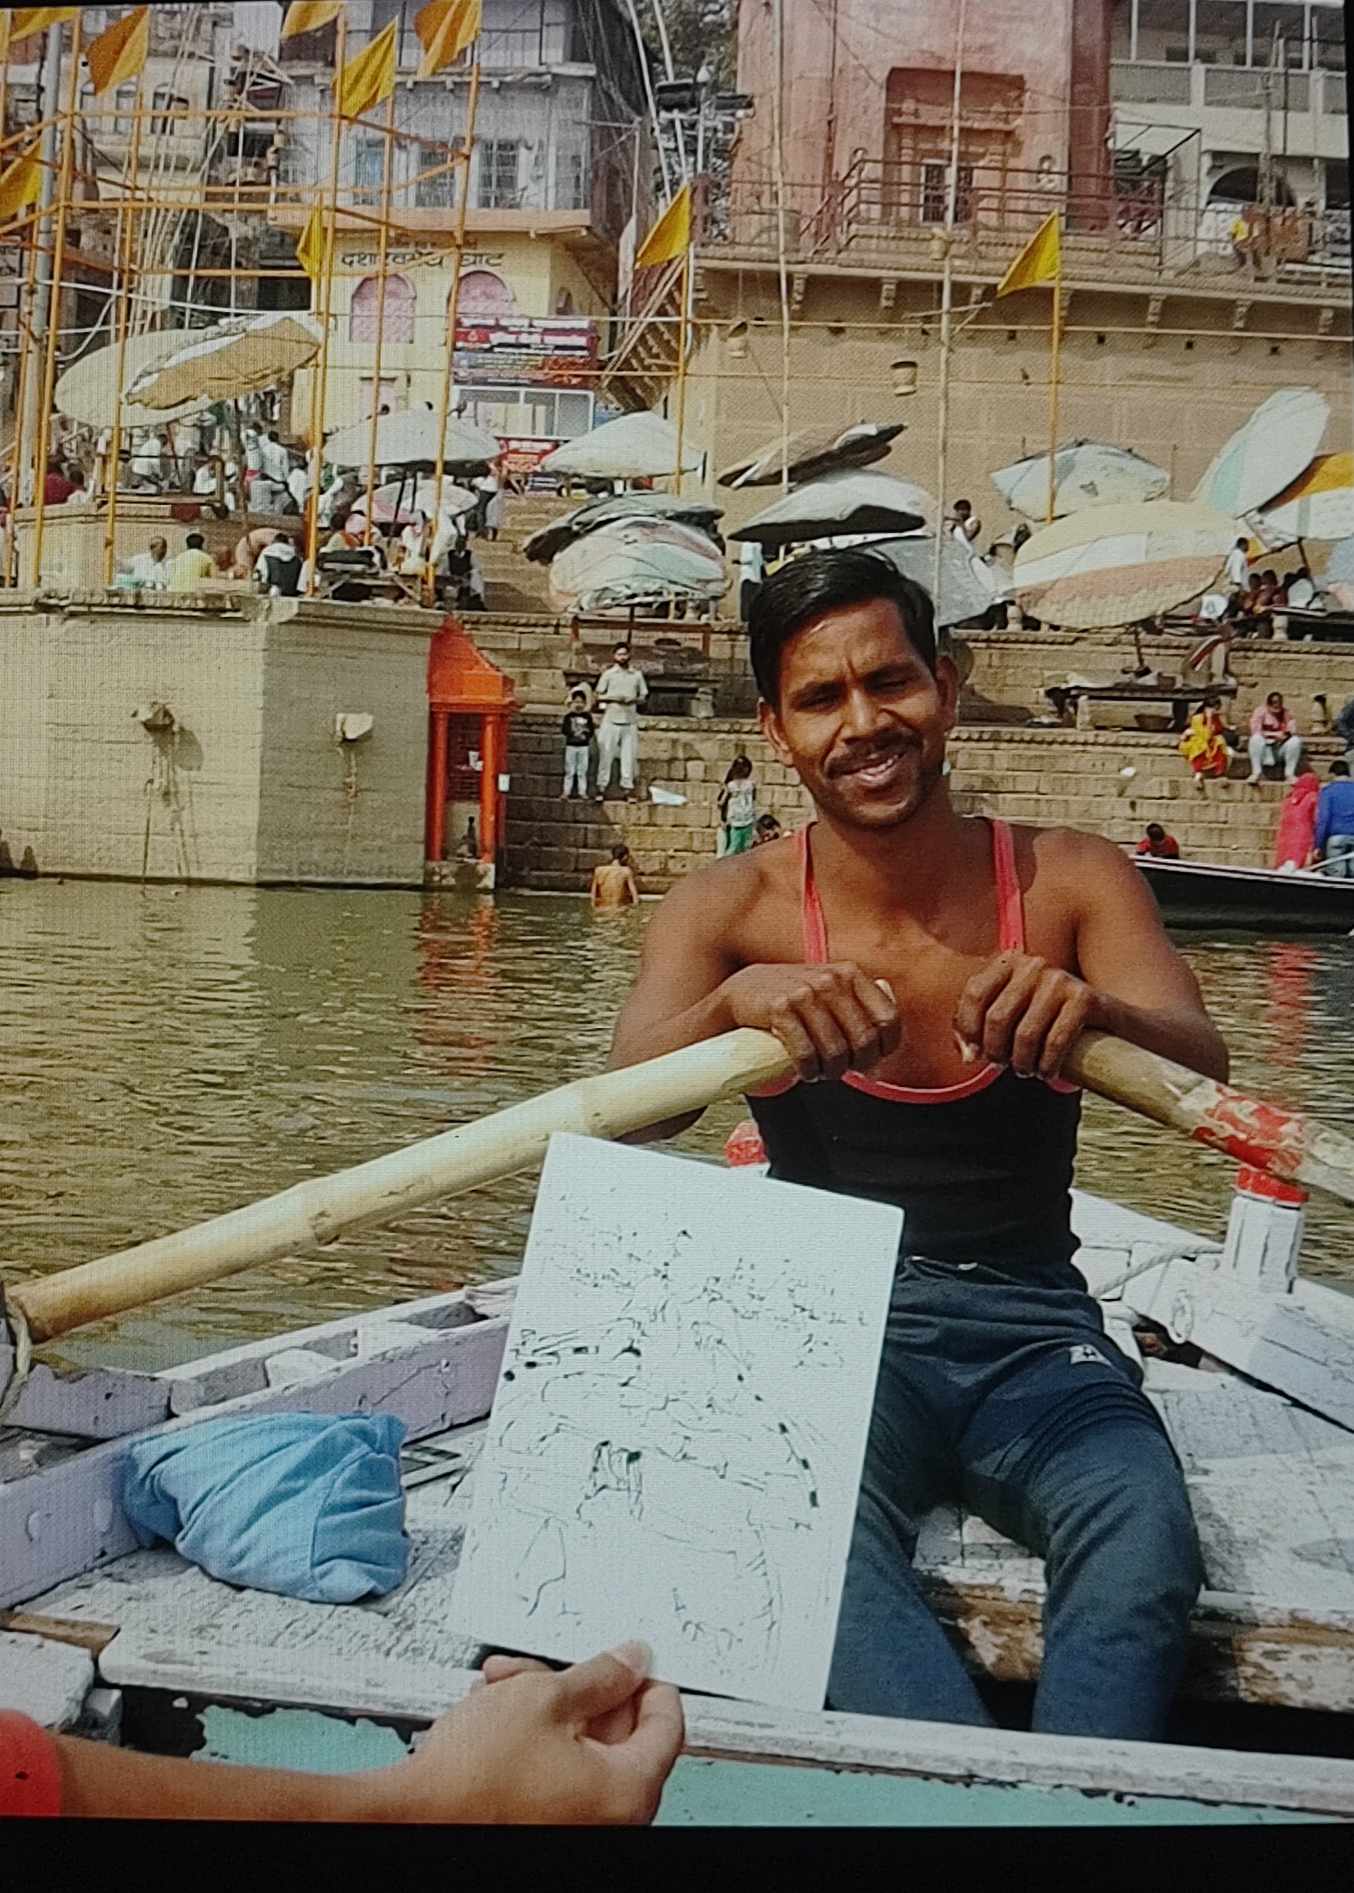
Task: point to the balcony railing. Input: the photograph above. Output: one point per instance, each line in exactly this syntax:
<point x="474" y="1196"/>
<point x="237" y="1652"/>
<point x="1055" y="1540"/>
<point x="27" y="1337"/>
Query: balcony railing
<point x="1226" y="88"/>
<point x="880" y="215"/>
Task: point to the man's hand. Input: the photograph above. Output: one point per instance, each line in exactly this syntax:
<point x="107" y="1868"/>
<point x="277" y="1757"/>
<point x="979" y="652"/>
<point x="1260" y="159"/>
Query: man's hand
<point x="593" y="1744"/>
<point x="830" y="1019"/>
<point x="1022" y="1012"/>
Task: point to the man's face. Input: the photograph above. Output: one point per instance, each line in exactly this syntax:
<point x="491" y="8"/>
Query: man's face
<point x="860" y="718"/>
<point x="621" y="655"/>
<point x="1275" y="702"/>
<point x="158" y="549"/>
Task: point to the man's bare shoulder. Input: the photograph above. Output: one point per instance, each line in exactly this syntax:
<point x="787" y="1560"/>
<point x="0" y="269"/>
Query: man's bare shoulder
<point x="714" y="898"/>
<point x="1070" y="859"/>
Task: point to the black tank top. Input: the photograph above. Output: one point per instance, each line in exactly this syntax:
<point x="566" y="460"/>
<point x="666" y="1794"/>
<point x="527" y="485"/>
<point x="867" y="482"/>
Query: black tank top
<point x="981" y="1170"/>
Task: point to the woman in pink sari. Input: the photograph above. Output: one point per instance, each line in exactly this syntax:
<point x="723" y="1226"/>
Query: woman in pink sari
<point x="1295" y="836"/>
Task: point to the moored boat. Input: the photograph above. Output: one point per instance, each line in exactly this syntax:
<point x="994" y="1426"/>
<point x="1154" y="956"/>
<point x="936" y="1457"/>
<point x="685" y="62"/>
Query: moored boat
<point x="1207" y="894"/>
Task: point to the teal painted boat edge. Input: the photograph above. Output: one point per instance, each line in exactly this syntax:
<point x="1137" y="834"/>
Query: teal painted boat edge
<point x="712" y="1793"/>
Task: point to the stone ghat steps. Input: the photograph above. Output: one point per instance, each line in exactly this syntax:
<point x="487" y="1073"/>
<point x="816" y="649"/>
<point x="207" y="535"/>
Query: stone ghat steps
<point x="1051" y="778"/>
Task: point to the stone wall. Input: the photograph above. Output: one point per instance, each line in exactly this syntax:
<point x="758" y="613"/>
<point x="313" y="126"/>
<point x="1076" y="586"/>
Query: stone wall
<point x="251" y="784"/>
<point x="1055" y="777"/>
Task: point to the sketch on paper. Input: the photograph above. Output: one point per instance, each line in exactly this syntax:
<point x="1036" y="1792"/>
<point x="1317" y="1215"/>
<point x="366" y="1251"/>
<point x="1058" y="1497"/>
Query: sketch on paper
<point x="676" y="1442"/>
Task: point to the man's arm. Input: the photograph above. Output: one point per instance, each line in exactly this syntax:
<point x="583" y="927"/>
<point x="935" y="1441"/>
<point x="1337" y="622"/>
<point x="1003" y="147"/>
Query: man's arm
<point x="630" y="885"/>
<point x="1323" y="822"/>
<point x="1129" y="982"/>
<point x="596" y="885"/>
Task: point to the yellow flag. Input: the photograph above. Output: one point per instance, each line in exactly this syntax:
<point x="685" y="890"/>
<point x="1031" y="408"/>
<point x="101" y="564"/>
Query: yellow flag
<point x="20" y="184"/>
<point x="6" y="19"/>
<point x="27" y="20"/>
<point x="312" y="252"/>
<point x="670" y="236"/>
<point x="369" y="79"/>
<point x="445" y="28"/>
<point x="1039" y="261"/>
<point x="121" y="50"/>
<point x="308" y="16"/>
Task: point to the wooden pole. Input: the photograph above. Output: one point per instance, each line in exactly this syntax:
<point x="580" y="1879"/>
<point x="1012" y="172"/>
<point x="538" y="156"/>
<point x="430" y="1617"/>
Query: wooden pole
<point x="1054" y="366"/>
<point x="125" y="248"/>
<point x="26" y="313"/>
<point x="947" y="302"/>
<point x="45" y="416"/>
<point x="308" y="1217"/>
<point x="782" y="270"/>
<point x="320" y="372"/>
<point x="382" y="251"/>
<point x="683" y="340"/>
<point x="453" y="312"/>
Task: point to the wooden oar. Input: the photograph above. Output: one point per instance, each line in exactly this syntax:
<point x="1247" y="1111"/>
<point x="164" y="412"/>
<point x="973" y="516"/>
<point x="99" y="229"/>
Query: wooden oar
<point x="309" y="1216"/>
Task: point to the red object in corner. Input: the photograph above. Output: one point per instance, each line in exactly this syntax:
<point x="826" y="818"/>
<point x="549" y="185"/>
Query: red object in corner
<point x="1260" y="1183"/>
<point x="744" y="1145"/>
<point x="30" y="1774"/>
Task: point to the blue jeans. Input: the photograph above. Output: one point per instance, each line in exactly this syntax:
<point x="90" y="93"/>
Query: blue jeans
<point x="1340" y="858"/>
<point x="1006" y="1393"/>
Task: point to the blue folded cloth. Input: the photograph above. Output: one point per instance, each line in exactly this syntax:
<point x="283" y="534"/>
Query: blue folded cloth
<point x="306" y="1504"/>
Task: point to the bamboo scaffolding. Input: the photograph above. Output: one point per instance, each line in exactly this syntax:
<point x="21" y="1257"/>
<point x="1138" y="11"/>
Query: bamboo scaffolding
<point x="453" y="312"/>
<point x="126" y="243"/>
<point x="382" y="252"/>
<point x="45" y="414"/>
<point x="320" y="372"/>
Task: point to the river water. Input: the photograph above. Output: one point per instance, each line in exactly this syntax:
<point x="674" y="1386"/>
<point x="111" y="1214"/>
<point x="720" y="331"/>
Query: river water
<point x="167" y="1054"/>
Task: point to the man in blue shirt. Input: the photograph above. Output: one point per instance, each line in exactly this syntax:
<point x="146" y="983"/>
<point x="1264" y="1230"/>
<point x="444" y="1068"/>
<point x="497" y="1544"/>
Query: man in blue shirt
<point x="1334" y="838"/>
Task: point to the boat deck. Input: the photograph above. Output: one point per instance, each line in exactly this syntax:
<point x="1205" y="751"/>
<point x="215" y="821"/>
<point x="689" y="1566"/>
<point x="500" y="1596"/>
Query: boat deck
<point x="1272" y="1487"/>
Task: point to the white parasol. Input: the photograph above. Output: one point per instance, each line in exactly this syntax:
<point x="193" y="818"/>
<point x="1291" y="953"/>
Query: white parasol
<point x="634" y="447"/>
<point x="836" y="505"/>
<point x="219" y="364"/>
<point x="400" y="502"/>
<point x="1086" y="473"/>
<point x="543" y="544"/>
<point x="408" y="438"/>
<point x="1268" y="451"/>
<point x="1120" y="564"/>
<point x="85" y="392"/>
<point x="1319" y="504"/>
<point x="814" y="450"/>
<point x="637" y="562"/>
<point x="968" y="585"/>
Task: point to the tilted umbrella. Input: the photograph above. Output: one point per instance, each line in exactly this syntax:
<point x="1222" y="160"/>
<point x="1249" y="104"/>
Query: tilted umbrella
<point x="400" y="502"/>
<point x="1266" y="453"/>
<point x="968" y="585"/>
<point x="633" y="447"/>
<point x="85" y="393"/>
<point x="814" y="450"/>
<point x="637" y="562"/>
<point x="408" y="438"/>
<point x="1120" y="564"/>
<point x="836" y="505"/>
<point x="543" y="545"/>
<point x="223" y="363"/>
<point x="1319" y="504"/>
<point x="1086" y="473"/>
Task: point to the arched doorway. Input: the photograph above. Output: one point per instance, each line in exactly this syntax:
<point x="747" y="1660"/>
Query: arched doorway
<point x="364" y="315"/>
<point x="1241" y="185"/>
<point x="484" y="293"/>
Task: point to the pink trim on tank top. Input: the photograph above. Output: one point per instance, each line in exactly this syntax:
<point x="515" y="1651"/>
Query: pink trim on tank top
<point x="1010" y="939"/>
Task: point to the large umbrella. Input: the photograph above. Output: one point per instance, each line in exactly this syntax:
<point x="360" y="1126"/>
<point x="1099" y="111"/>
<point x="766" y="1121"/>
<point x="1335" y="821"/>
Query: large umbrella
<point x="408" y="438"/>
<point x="814" y="450"/>
<point x="1319" y="504"/>
<point x="634" y="447"/>
<point x="222" y="363"/>
<point x="968" y="585"/>
<point x="1086" y="473"/>
<point x="85" y="392"/>
<point x="1120" y="564"/>
<point x="637" y="562"/>
<point x="543" y="545"/>
<point x="837" y="504"/>
<point x="400" y="502"/>
<point x="1266" y="453"/>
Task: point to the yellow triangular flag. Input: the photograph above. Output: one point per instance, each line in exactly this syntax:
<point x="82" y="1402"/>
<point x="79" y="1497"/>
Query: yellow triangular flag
<point x="121" y="50"/>
<point x="312" y="252"/>
<point x="445" y="28"/>
<point x="369" y="79"/>
<point x="20" y="183"/>
<point x="27" y="20"/>
<point x="6" y="20"/>
<point x="1039" y="261"/>
<point x="670" y="236"/>
<point x="308" y="16"/>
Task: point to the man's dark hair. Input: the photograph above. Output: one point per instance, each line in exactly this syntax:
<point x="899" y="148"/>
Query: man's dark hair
<point x="195" y="541"/>
<point x="804" y="588"/>
<point x="1339" y="767"/>
<point x="619" y="851"/>
<point x="1155" y="831"/>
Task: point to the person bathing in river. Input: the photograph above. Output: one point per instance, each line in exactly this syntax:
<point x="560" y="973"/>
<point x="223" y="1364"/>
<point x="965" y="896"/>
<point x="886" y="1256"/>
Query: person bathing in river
<point x="613" y="884"/>
<point x="928" y="974"/>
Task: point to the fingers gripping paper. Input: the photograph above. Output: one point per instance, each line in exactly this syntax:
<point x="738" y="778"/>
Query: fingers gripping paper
<point x="676" y="1442"/>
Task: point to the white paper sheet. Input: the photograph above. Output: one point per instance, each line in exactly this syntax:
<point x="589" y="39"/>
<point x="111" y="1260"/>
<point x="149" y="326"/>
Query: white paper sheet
<point x="677" y="1438"/>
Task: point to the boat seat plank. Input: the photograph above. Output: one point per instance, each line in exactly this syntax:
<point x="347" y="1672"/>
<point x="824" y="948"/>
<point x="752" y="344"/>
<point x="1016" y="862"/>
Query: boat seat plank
<point x="45" y="1680"/>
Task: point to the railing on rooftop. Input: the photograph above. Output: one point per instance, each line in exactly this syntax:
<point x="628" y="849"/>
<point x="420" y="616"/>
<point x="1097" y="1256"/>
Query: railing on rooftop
<point x="1139" y="225"/>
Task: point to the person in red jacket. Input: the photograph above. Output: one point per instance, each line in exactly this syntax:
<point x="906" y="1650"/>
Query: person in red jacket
<point x="1158" y="843"/>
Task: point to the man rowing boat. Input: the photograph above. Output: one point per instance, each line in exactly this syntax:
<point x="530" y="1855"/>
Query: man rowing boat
<point x="956" y="960"/>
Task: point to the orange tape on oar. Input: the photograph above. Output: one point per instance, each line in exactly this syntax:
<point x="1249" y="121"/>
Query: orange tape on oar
<point x="1257" y="1134"/>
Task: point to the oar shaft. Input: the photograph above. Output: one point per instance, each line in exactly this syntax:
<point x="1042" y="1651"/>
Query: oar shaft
<point x="311" y="1215"/>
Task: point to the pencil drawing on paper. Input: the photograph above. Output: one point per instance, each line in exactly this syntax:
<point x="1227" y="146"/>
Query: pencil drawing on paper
<point x="675" y="1446"/>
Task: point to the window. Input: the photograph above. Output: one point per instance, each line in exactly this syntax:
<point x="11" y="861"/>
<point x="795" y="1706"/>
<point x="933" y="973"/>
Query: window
<point x="434" y="193"/>
<point x="163" y="106"/>
<point x="364" y="316"/>
<point x="124" y="103"/>
<point x="1121" y="30"/>
<point x="368" y="165"/>
<point x="1220" y="33"/>
<point x="570" y="188"/>
<point x="499" y="159"/>
<point x="935" y="191"/>
<point x="1163" y="31"/>
<point x="1328" y="38"/>
<point x="1289" y="23"/>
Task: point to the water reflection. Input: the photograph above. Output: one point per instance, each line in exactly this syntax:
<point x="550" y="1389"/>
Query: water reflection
<point x="168" y="1054"/>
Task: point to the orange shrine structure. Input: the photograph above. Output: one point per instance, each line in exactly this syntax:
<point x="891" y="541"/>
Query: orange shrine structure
<point x="469" y="703"/>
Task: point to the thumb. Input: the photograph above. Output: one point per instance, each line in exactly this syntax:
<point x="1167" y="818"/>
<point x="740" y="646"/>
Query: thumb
<point x="603" y="1682"/>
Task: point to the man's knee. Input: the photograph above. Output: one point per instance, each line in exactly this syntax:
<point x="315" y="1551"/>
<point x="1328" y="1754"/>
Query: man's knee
<point x="1132" y="1506"/>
